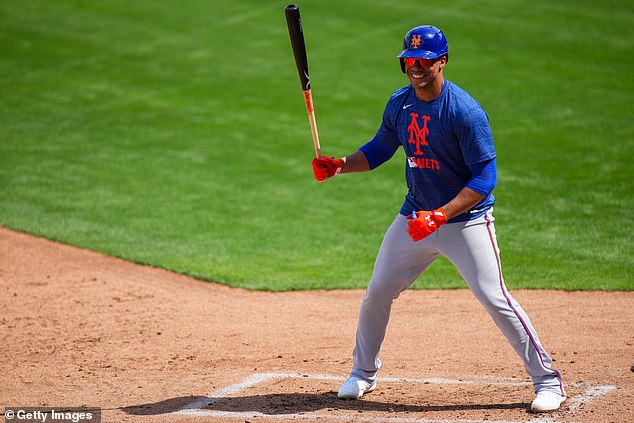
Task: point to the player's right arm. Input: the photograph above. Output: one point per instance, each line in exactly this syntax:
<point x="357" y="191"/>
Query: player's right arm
<point x="370" y="156"/>
<point x="326" y="167"/>
<point x="356" y="162"/>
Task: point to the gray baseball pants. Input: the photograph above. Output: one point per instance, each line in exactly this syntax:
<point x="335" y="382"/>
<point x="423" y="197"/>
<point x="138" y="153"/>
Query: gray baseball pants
<point x="472" y="247"/>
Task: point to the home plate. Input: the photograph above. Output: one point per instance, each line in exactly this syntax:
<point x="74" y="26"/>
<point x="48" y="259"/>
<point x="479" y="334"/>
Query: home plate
<point x="286" y="396"/>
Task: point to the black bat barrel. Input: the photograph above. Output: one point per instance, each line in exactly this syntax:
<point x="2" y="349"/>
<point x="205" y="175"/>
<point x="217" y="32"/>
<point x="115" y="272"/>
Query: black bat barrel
<point x="296" y="33"/>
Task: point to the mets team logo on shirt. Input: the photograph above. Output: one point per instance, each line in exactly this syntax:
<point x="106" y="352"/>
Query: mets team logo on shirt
<point x="418" y="137"/>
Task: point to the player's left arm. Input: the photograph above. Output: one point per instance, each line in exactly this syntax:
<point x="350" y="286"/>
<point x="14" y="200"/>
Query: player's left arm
<point x="479" y="186"/>
<point x="464" y="201"/>
<point x="484" y="178"/>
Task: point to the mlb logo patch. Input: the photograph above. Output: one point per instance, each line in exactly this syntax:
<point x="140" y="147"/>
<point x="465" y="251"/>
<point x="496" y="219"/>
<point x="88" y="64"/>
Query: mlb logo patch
<point x="411" y="162"/>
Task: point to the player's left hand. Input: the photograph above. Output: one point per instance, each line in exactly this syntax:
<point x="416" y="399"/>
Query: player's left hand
<point x="425" y="222"/>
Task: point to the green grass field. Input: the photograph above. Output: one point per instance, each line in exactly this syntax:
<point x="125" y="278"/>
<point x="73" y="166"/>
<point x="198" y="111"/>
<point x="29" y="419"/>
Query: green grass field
<point x="174" y="134"/>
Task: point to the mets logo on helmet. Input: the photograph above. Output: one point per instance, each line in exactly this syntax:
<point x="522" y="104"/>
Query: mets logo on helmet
<point x="415" y="40"/>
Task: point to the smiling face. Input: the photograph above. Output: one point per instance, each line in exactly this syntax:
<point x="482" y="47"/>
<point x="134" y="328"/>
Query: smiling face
<point x="426" y="76"/>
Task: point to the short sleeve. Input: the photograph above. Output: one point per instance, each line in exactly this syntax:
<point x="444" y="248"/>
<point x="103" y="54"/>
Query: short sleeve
<point x="475" y="137"/>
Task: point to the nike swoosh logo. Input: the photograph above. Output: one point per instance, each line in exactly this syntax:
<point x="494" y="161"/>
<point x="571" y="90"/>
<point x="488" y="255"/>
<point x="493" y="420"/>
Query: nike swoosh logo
<point x="407" y="105"/>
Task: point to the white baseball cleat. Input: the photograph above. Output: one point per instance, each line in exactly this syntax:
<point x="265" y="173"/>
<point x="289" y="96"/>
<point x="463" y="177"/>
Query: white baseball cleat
<point x="355" y="387"/>
<point x="546" y="401"/>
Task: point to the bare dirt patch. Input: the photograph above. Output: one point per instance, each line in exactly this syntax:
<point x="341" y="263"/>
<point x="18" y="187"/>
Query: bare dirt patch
<point x="82" y="329"/>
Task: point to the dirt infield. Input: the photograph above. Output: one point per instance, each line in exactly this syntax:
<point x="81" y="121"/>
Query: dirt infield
<point x="82" y="329"/>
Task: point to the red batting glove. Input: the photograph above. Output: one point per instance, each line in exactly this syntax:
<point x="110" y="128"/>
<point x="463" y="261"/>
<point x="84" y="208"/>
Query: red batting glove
<point x="426" y="223"/>
<point x="326" y="167"/>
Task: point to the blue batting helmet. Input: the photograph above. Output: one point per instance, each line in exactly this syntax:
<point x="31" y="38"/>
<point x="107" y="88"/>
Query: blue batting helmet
<point x="425" y="42"/>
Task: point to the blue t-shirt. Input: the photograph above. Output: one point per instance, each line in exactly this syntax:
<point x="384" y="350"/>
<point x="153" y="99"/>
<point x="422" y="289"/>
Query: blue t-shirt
<point x="441" y="139"/>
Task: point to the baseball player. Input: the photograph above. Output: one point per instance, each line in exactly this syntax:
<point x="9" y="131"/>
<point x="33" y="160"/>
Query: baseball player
<point x="448" y="211"/>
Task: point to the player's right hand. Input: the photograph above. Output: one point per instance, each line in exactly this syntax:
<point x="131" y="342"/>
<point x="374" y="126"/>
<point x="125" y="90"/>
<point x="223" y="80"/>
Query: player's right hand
<point x="326" y="167"/>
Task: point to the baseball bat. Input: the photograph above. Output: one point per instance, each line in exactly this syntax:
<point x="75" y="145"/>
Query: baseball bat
<point x="296" y="33"/>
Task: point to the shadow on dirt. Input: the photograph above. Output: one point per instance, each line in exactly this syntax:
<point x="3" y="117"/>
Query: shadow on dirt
<point x="296" y="403"/>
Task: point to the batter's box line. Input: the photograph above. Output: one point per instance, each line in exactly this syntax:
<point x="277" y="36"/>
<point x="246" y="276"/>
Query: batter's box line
<point x="197" y="408"/>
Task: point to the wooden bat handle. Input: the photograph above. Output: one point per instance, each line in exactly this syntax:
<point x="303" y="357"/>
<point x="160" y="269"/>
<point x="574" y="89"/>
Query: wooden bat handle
<point x="308" y="98"/>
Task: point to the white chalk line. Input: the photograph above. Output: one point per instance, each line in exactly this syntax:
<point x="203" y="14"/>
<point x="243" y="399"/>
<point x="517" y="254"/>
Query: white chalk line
<point x="588" y="395"/>
<point x="248" y="382"/>
<point x="441" y="381"/>
<point x="257" y="378"/>
<point x="351" y="417"/>
<point x="196" y="408"/>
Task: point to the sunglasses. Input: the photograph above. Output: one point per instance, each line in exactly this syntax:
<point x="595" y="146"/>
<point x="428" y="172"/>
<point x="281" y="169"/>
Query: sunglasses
<point x="410" y="61"/>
